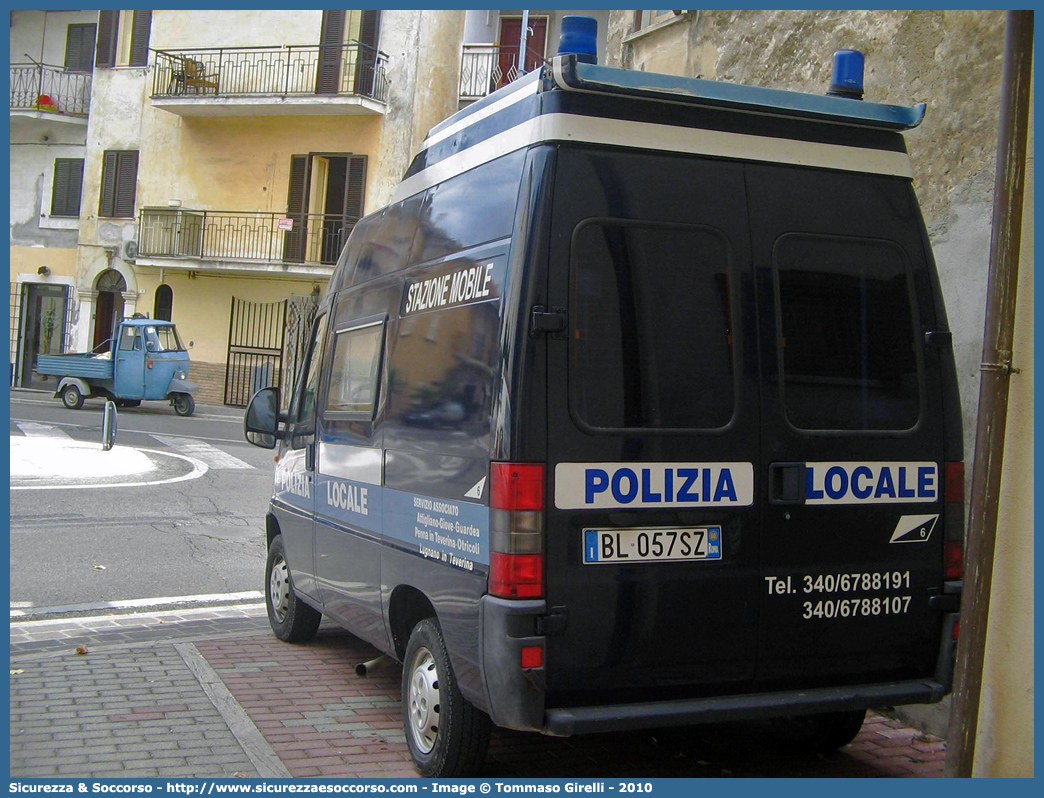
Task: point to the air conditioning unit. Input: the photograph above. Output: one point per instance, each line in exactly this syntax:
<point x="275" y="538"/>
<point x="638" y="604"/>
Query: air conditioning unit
<point x="130" y="250"/>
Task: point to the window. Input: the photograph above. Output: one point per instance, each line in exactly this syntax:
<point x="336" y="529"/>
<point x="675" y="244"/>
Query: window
<point x="119" y="180"/>
<point x="163" y="339"/>
<point x="648" y="19"/>
<point x="847" y="334"/>
<point x="79" y="47"/>
<point x="68" y="183"/>
<point x="130" y="339"/>
<point x="123" y="40"/>
<point x="164" y="303"/>
<point x="302" y="408"/>
<point x="448" y="220"/>
<point x="651" y="338"/>
<point x="354" y="370"/>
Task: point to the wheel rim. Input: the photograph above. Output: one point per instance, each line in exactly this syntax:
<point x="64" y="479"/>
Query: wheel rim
<point x="181" y="404"/>
<point x="423" y="701"/>
<point x="279" y="590"/>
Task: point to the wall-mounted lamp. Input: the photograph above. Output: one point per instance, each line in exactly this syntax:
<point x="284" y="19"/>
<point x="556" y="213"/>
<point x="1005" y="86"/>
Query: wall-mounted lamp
<point x="43" y="270"/>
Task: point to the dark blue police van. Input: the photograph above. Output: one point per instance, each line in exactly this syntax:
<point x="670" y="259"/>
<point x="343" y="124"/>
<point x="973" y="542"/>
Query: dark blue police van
<point x="636" y="407"/>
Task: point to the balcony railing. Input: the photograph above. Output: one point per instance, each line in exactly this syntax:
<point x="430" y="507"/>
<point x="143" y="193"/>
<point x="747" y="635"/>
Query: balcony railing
<point x="41" y="87"/>
<point x="319" y="70"/>
<point x="310" y="238"/>
<point x="484" y="70"/>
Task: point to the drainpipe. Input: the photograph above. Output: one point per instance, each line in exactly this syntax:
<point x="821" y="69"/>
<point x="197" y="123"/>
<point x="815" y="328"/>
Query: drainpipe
<point x="522" y="43"/>
<point x="996" y="370"/>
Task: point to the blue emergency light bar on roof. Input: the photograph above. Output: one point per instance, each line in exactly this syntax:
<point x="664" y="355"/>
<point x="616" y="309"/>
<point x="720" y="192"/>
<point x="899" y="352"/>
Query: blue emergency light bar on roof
<point x="569" y="73"/>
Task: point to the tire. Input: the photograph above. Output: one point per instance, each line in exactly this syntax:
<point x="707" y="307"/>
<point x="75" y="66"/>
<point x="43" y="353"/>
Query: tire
<point x="71" y="397"/>
<point x="447" y="736"/>
<point x="292" y="620"/>
<point x="184" y="404"/>
<point x="818" y="734"/>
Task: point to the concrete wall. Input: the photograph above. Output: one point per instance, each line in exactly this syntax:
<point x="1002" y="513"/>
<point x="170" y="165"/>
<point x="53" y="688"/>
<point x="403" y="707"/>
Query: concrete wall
<point x="424" y="50"/>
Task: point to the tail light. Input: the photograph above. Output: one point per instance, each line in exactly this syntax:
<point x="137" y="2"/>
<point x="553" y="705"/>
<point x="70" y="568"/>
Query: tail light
<point x="516" y="500"/>
<point x="953" y="534"/>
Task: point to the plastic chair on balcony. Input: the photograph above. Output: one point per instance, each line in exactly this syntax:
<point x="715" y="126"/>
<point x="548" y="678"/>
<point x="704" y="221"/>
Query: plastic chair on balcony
<point x="196" y="77"/>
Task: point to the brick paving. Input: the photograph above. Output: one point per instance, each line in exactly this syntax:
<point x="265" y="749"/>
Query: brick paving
<point x="216" y="695"/>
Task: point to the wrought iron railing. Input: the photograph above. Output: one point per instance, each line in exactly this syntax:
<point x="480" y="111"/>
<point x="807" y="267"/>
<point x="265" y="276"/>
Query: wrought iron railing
<point x="332" y="70"/>
<point x="482" y="70"/>
<point x="309" y="238"/>
<point x="41" y="87"/>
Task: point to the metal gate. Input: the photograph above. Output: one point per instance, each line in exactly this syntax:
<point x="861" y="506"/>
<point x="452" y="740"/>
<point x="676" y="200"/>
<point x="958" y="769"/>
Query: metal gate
<point x="256" y="334"/>
<point x="300" y="313"/>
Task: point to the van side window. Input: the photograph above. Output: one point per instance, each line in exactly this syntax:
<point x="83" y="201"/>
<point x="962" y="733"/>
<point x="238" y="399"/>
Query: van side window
<point x="469" y="209"/>
<point x="355" y="370"/>
<point x="651" y="339"/>
<point x="386" y="247"/>
<point x="303" y="412"/>
<point x="847" y="340"/>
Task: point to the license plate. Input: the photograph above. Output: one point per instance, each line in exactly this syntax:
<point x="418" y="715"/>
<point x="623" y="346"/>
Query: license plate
<point x="651" y="545"/>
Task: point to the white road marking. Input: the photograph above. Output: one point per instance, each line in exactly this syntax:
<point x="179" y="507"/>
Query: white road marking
<point x="199" y="468"/>
<point x="33" y="429"/>
<point x="30" y="624"/>
<point x="19" y="608"/>
<point x="211" y="455"/>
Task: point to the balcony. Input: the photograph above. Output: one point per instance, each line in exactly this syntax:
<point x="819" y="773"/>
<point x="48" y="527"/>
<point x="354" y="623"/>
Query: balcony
<point x="484" y="68"/>
<point x="41" y="91"/>
<point x="271" y="81"/>
<point x="241" y="241"/>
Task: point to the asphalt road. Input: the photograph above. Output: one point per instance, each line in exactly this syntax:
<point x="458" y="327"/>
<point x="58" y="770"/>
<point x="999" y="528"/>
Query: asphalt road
<point x="204" y="535"/>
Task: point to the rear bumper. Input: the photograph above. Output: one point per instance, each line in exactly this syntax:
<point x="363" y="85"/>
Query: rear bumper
<point x="656" y="714"/>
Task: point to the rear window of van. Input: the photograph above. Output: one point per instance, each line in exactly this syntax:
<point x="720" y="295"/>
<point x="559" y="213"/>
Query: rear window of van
<point x="651" y="341"/>
<point x="847" y="334"/>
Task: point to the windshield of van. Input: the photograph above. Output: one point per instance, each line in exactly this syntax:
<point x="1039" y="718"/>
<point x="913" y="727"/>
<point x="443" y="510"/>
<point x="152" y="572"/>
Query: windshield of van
<point x="651" y="343"/>
<point x="162" y="339"/>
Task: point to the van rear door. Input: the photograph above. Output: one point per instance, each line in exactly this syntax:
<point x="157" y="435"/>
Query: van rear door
<point x="852" y="430"/>
<point x="653" y="432"/>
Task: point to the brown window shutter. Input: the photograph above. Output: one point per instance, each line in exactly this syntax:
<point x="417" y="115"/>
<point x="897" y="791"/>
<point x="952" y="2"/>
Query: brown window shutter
<point x="108" y="29"/>
<point x="331" y="48"/>
<point x="68" y="181"/>
<point x="356" y="192"/>
<point x="108" y="187"/>
<point x="79" y="47"/>
<point x="126" y="183"/>
<point x="297" y="208"/>
<point x="140" y="38"/>
<point x="366" y="64"/>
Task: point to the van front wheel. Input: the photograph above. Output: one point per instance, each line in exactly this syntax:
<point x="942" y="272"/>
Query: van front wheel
<point x="447" y="736"/>
<point x="292" y="620"/>
<point x="819" y="734"/>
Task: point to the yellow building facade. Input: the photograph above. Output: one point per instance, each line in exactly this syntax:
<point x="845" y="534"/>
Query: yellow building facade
<point x="226" y="157"/>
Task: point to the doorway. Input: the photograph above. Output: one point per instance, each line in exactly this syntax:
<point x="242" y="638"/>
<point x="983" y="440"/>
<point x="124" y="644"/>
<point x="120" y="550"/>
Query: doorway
<point x="510" y="39"/>
<point x="44" y="310"/>
<point x="108" y="308"/>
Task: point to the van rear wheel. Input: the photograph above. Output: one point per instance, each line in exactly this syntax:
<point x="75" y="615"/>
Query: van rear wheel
<point x="818" y="734"/>
<point x="447" y="736"/>
<point x="291" y="619"/>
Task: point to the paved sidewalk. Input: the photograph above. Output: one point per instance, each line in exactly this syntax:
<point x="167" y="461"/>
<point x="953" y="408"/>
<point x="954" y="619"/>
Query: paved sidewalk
<point x="214" y="694"/>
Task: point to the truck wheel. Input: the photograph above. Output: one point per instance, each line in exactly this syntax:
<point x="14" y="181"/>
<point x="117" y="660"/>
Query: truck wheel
<point x="819" y="734"/>
<point x="292" y="620"/>
<point x="184" y="404"/>
<point x="71" y="397"/>
<point x="447" y="736"/>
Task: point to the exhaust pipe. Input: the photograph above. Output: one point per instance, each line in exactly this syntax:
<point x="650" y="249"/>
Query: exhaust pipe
<point x="366" y="668"/>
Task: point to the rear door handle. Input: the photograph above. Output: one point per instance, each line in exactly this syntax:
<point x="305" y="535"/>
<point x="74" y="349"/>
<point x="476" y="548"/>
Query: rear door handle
<point x="786" y="483"/>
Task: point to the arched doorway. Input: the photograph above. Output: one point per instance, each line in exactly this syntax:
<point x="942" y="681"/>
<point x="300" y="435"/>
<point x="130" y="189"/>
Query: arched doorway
<point x="108" y="308"/>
